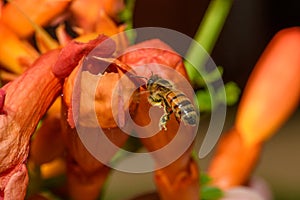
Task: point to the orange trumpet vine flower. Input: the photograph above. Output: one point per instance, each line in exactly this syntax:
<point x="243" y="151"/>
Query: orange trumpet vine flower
<point x="179" y="179"/>
<point x="99" y="20"/>
<point x="23" y="103"/>
<point x="85" y="173"/>
<point x="271" y="95"/>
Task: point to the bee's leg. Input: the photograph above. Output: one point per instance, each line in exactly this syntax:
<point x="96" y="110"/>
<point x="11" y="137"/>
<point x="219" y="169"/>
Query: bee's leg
<point x="165" y="118"/>
<point x="166" y="107"/>
<point x="178" y="115"/>
<point x="163" y="121"/>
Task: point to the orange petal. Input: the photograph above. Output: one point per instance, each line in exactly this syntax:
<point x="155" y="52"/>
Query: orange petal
<point x="44" y="41"/>
<point x="19" y="14"/>
<point x="100" y="16"/>
<point x="47" y="137"/>
<point x="15" y="54"/>
<point x="234" y="161"/>
<point x="106" y="25"/>
<point x="270" y="96"/>
<point x="273" y="90"/>
<point x="113" y="7"/>
<point x="82" y="18"/>
<point x="74" y="51"/>
<point x="27" y="99"/>
<point x="154" y="51"/>
<point x="86" y="175"/>
<point x="185" y="186"/>
<point x="5" y="77"/>
<point x="53" y="169"/>
<point x="17" y="185"/>
<point x="63" y="37"/>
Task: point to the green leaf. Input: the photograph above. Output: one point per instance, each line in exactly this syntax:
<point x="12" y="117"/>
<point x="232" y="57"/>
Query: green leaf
<point x="126" y="15"/>
<point x="204" y="101"/>
<point x="210" y="193"/>
<point x="232" y="93"/>
<point x="204" y="179"/>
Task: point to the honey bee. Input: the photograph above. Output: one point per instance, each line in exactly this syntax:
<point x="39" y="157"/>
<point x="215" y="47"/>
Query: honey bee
<point x="163" y="93"/>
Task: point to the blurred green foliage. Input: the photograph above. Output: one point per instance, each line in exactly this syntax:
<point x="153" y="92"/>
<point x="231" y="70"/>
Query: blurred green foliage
<point x="204" y="97"/>
<point x="126" y="17"/>
<point x="208" y="192"/>
<point x="44" y="187"/>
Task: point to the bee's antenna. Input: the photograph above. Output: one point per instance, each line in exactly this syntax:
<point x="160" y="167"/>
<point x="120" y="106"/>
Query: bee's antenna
<point x="131" y="75"/>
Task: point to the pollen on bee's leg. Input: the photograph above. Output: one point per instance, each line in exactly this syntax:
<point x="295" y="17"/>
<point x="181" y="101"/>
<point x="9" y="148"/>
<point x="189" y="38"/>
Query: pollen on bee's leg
<point x="2" y="100"/>
<point x="163" y="121"/>
<point x="162" y="126"/>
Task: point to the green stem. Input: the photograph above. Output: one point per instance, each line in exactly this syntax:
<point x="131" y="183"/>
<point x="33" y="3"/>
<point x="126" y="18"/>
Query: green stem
<point x="127" y="14"/>
<point x="126" y="17"/>
<point x="207" y="35"/>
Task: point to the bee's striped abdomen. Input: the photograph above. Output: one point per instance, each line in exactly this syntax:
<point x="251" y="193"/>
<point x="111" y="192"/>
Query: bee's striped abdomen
<point x="182" y="107"/>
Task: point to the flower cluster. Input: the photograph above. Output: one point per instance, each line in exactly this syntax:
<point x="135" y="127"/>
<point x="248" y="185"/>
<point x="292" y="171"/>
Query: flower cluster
<point x="39" y="80"/>
<point x="46" y="45"/>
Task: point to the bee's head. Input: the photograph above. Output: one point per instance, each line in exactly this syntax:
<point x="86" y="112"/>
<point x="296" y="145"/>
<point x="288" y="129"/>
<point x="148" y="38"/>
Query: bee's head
<point x="152" y="80"/>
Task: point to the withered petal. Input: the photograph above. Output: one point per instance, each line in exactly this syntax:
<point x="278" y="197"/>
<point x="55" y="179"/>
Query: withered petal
<point x="27" y="99"/>
<point x="73" y="52"/>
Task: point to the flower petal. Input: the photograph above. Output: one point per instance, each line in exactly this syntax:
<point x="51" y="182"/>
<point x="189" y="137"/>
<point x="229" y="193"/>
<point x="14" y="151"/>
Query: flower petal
<point x="27" y="99"/>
